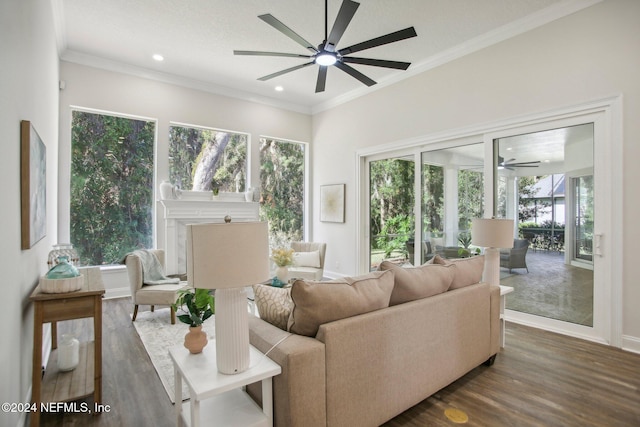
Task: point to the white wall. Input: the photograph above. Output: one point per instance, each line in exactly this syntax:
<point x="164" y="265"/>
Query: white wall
<point x="28" y="91"/>
<point x="590" y="55"/>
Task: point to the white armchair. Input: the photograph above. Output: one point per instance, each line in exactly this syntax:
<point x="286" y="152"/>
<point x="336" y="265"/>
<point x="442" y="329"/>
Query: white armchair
<point x="152" y="295"/>
<point x="308" y="260"/>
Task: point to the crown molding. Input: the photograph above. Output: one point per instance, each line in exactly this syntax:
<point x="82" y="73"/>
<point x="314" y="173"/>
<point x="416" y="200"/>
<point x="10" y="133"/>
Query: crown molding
<point x="120" y="67"/>
<point x="496" y="36"/>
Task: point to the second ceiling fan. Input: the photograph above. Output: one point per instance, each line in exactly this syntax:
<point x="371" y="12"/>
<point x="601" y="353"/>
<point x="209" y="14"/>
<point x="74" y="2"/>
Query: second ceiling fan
<point x="326" y="53"/>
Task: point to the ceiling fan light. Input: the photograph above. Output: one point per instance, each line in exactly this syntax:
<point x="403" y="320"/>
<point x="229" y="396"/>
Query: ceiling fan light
<point x="326" y="59"/>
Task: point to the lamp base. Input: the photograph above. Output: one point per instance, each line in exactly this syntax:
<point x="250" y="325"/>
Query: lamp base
<point x="491" y="272"/>
<point x="232" y="330"/>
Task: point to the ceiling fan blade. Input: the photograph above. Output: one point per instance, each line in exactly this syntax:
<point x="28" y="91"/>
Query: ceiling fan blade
<point x="345" y="14"/>
<point x="258" y="53"/>
<point x="322" y="78"/>
<point x="535" y="162"/>
<point x="518" y="165"/>
<point x="288" y="70"/>
<point x="379" y="41"/>
<point x="355" y="73"/>
<point x="275" y="23"/>
<point x="377" y="62"/>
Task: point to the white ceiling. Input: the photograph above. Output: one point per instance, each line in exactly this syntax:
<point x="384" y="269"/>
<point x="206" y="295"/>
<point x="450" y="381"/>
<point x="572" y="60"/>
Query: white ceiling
<point x="197" y="39"/>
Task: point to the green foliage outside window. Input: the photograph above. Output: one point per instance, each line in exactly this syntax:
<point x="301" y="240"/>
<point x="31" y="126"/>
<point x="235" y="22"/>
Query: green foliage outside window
<point x="111" y="186"/>
<point x="282" y="190"/>
<point x="392" y="198"/>
<point x="198" y="157"/>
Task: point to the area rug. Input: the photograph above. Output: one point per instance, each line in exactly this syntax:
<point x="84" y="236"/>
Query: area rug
<point x="158" y="335"/>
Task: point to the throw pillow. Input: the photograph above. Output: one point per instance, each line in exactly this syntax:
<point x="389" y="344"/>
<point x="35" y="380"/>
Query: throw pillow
<point x="412" y="283"/>
<point x="274" y="304"/>
<point x="307" y="259"/>
<point x="316" y="303"/>
<point x="468" y="270"/>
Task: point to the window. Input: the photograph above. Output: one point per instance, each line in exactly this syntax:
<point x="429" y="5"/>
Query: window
<point x="200" y="157"/>
<point x="282" y="184"/>
<point x="111" y="186"/>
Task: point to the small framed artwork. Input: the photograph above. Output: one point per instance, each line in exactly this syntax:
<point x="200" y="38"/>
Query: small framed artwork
<point x="33" y="185"/>
<point x="332" y="203"/>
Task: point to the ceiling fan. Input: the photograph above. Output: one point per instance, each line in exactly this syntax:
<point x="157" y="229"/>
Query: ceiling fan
<point x="511" y="164"/>
<point x="326" y="53"/>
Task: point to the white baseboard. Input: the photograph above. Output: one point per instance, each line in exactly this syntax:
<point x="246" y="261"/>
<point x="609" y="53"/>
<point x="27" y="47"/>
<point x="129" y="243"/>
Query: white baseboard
<point x="630" y="343"/>
<point x="333" y="275"/>
<point x="117" y="293"/>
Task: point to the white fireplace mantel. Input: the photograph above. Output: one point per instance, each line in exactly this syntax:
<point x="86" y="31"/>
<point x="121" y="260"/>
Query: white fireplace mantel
<point x="178" y="213"/>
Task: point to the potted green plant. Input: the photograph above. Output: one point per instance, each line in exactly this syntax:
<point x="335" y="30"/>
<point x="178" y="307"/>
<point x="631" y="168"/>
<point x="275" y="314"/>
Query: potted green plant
<point x="465" y="240"/>
<point x="197" y="306"/>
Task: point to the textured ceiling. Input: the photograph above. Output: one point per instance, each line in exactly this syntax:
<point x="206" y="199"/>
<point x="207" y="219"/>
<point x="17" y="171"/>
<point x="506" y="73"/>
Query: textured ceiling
<point x="197" y="39"/>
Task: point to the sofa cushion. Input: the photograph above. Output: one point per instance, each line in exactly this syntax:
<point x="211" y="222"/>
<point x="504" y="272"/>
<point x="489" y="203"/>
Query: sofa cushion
<point x="468" y="270"/>
<point x="307" y="259"/>
<point x="412" y="283"/>
<point x="316" y="303"/>
<point x="274" y="304"/>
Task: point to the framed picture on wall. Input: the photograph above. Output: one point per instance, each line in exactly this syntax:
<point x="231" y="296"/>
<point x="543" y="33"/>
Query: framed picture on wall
<point x="332" y="203"/>
<point x="33" y="185"/>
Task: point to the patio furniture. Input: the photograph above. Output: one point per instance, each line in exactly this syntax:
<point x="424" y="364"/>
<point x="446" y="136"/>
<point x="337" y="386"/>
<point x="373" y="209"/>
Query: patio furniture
<point x="516" y="256"/>
<point x="427" y="253"/>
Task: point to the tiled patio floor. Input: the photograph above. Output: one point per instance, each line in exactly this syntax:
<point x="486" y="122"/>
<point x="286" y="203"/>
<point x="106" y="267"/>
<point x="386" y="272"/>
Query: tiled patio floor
<point x="551" y="288"/>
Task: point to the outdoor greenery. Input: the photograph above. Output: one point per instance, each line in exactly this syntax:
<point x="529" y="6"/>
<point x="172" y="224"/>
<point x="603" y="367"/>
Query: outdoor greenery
<point x="432" y="200"/>
<point x="198" y="157"/>
<point x="111" y="186"/>
<point x="282" y="190"/>
<point x="392" y="199"/>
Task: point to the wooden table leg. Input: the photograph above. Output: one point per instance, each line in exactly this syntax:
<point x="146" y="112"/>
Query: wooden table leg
<point x="97" y="332"/>
<point x="36" y="373"/>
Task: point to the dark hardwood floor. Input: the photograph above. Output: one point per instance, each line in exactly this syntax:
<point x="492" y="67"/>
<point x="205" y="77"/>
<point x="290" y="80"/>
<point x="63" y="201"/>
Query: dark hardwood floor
<point x="539" y="379"/>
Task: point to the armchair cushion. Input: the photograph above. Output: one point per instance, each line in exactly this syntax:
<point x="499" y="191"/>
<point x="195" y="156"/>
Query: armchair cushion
<point x="307" y="259"/>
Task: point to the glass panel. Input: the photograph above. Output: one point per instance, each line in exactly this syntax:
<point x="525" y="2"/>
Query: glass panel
<point x="534" y="179"/>
<point x="452" y="182"/>
<point x="391" y="183"/>
<point x="111" y="186"/>
<point x="201" y="158"/>
<point x="282" y="190"/>
<point x="583" y="239"/>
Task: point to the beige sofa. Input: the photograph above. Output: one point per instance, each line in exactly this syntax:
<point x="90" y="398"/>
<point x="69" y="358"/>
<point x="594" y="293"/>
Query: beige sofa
<point x="365" y="369"/>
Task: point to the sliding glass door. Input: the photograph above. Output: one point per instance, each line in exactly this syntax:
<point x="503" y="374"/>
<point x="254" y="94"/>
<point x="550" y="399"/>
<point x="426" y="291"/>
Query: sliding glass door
<point x="545" y="183"/>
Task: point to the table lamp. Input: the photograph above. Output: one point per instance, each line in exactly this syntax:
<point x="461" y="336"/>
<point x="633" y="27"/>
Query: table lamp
<point x="492" y="234"/>
<point x="227" y="257"/>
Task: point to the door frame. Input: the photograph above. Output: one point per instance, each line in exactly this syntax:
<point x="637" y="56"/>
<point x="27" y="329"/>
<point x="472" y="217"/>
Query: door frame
<point x="606" y="114"/>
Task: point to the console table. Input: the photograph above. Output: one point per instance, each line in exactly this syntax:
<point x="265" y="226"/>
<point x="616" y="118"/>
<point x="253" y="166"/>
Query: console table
<point x="219" y="398"/>
<point x="57" y="386"/>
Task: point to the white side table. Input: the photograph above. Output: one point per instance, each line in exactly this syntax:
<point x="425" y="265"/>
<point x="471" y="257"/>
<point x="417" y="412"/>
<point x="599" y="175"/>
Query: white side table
<point x="220" y="399"/>
<point x="504" y="290"/>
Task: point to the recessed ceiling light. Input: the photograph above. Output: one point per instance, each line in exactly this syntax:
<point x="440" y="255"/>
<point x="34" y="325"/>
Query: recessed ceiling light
<point x="279" y="88"/>
<point x="547" y="161"/>
<point x="158" y="57"/>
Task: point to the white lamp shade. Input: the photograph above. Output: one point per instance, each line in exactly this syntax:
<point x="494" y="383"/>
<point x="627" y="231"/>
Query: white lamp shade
<point x="492" y="233"/>
<point x="227" y="255"/>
